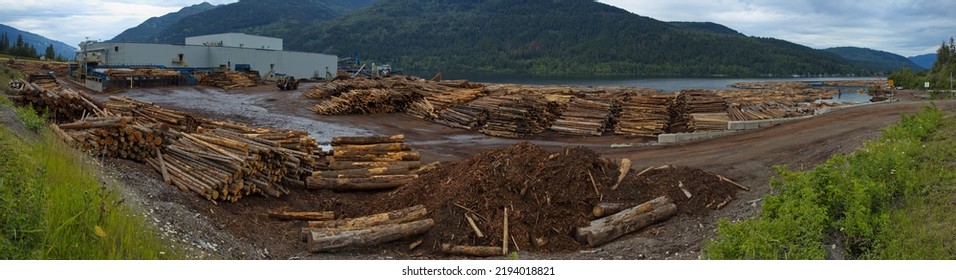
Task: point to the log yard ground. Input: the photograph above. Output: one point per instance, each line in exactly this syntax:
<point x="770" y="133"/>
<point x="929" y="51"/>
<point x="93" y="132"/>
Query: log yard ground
<point x="538" y="186"/>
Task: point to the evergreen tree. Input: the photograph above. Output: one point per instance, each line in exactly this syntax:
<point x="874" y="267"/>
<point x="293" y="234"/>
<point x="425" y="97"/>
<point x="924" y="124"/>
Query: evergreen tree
<point x="4" y="42"/>
<point x="50" y="53"/>
<point x="20" y="43"/>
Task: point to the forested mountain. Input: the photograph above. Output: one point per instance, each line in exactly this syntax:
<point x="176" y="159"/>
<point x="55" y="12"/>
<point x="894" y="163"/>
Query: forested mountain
<point x="39" y="43"/>
<point x="555" y="37"/>
<point x="558" y="37"/>
<point x="260" y="17"/>
<point x="874" y="60"/>
<point x="146" y="32"/>
<point x="924" y="60"/>
<point x="707" y="27"/>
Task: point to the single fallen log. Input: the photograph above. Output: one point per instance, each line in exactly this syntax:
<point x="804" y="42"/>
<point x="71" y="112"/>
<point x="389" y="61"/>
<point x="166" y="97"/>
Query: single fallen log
<point x="367" y="140"/>
<point x="304" y="216"/>
<point x="328" y="240"/>
<point x="472" y="251"/>
<point x="405" y="215"/>
<point x="606" y="229"/>
<point x="359" y="184"/>
<point x="604" y="209"/>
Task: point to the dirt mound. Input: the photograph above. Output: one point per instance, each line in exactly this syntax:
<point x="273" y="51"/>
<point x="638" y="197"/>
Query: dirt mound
<point x="547" y="195"/>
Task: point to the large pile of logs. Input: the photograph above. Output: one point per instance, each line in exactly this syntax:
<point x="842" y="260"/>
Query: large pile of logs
<point x="367" y="101"/>
<point x="702" y="101"/>
<point x="436" y="100"/>
<point x="709" y="121"/>
<point x="367" y="163"/>
<point x="150" y="113"/>
<point x="228" y="79"/>
<point x="118" y="74"/>
<point x="64" y="105"/>
<point x="520" y="115"/>
<point x="324" y="236"/>
<point x="644" y="115"/>
<point x="340" y="86"/>
<point x="119" y="137"/>
<point x="586" y="117"/>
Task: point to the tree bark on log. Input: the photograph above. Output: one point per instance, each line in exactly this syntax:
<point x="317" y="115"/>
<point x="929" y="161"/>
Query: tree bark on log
<point x="345" y="165"/>
<point x="604" y="209"/>
<point x="359" y="184"/>
<point x="328" y="240"/>
<point x="625" y="167"/>
<point x="471" y="251"/>
<point x="365" y="172"/>
<point x="606" y="229"/>
<point x="304" y="216"/>
<point x="405" y="215"/>
<point x="367" y="140"/>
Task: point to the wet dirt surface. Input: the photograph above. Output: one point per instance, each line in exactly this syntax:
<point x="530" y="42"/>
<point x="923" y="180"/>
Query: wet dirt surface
<point x="241" y="230"/>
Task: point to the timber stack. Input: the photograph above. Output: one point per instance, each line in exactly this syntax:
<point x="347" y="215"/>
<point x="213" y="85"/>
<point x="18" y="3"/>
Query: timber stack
<point x="367" y="163"/>
<point x="65" y="105"/>
<point x="228" y="79"/>
<point x="119" y="137"/>
<point x="586" y="117"/>
<point x="147" y="112"/>
<point x="437" y="100"/>
<point x="700" y="110"/>
<point x="644" y="115"/>
<point x="368" y="101"/>
<point x="520" y="115"/>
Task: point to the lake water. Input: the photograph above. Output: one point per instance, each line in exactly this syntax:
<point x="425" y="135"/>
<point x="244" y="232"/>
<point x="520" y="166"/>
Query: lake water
<point x="847" y="94"/>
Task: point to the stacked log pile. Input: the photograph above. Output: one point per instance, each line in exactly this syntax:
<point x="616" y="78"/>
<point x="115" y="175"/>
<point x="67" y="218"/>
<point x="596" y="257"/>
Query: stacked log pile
<point x="586" y="117"/>
<point x="338" y="87"/>
<point x="228" y="79"/>
<point x="368" y="101"/>
<point x="367" y="163"/>
<point x="700" y="110"/>
<point x="64" y="105"/>
<point x="150" y="113"/>
<point x="520" y="115"/>
<point x="437" y="100"/>
<point x="120" y="137"/>
<point x="773" y="103"/>
<point x="644" y="115"/>
<point x="141" y="72"/>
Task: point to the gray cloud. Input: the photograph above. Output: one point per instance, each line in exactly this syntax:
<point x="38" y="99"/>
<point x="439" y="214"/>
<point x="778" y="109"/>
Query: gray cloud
<point x="904" y="27"/>
<point x="74" y="21"/>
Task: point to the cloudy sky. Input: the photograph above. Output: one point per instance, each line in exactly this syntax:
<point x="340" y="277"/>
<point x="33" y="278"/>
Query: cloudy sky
<point x="906" y="27"/>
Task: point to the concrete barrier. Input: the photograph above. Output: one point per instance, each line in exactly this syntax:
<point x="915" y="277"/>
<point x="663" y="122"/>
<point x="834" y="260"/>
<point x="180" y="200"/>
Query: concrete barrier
<point x="691" y="136"/>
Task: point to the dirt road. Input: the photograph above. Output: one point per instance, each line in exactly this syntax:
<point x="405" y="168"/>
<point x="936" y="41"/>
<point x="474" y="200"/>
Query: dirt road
<point x="747" y="158"/>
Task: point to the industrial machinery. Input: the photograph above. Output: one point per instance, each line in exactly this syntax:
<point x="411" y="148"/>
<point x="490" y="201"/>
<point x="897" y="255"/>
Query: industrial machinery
<point x="287" y="83"/>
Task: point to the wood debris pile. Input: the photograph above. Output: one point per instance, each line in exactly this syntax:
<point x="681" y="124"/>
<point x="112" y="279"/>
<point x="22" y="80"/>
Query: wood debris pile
<point x="228" y="79"/>
<point x="367" y="163"/>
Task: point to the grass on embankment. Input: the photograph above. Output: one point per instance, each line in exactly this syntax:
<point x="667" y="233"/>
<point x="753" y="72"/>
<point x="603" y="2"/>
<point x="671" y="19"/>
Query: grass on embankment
<point x="52" y="206"/>
<point x="894" y="198"/>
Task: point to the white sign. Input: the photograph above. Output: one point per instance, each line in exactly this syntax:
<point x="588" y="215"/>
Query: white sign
<point x="926" y="85"/>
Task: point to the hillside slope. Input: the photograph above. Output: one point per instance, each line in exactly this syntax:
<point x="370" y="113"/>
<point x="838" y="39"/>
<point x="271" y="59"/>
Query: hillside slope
<point x="39" y="42"/>
<point x="560" y="37"/>
<point x="147" y="31"/>
<point x="874" y="60"/>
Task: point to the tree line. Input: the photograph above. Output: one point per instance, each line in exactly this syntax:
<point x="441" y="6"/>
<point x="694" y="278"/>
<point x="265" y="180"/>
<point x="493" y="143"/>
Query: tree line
<point x="939" y="77"/>
<point x="24" y="49"/>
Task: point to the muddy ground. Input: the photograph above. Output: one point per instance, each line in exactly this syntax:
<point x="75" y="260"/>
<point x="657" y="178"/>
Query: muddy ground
<point x="242" y="231"/>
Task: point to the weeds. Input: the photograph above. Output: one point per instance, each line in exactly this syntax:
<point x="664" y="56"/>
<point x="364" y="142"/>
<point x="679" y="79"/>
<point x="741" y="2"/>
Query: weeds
<point x="860" y="199"/>
<point x="53" y="207"/>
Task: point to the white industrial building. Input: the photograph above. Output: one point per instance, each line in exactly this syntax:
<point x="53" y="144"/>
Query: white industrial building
<point x="235" y="51"/>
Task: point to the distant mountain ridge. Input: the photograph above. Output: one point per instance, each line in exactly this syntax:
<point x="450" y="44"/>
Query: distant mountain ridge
<point x="39" y="42"/>
<point x="555" y="37"/>
<point x="924" y="60"/>
<point x="874" y="60"/>
<point x="258" y="17"/>
<point x="147" y="31"/>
